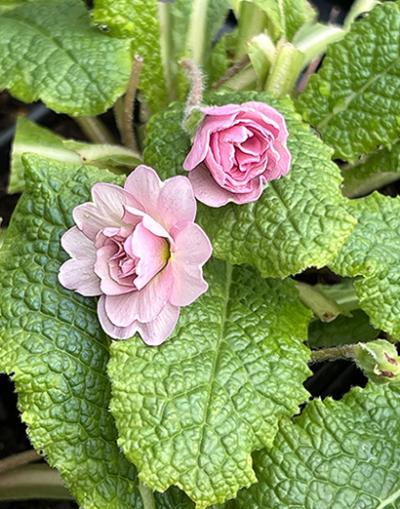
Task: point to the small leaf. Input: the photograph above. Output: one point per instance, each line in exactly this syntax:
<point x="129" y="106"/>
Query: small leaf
<point x="300" y="220"/>
<point x="353" y="101"/>
<point x="337" y="454"/>
<point x="48" y="51"/>
<point x="378" y="170"/>
<point x="189" y="413"/>
<point x="373" y="252"/>
<point x="343" y="330"/>
<point x="32" y="138"/>
<point x="52" y="344"/>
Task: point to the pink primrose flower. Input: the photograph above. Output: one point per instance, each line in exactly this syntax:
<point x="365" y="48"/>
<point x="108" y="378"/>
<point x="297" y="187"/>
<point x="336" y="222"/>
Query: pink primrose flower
<point x="139" y="250"/>
<point x="237" y="149"/>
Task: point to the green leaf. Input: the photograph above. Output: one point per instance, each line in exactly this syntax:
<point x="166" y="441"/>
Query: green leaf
<point x="138" y="21"/>
<point x="31" y="138"/>
<point x="299" y="221"/>
<point x="191" y="412"/>
<point x="378" y="170"/>
<point x="353" y="100"/>
<point x="337" y="454"/>
<point x="373" y="252"/>
<point x="52" y="344"/>
<point x="173" y="499"/>
<point x="286" y="17"/>
<point x="343" y="330"/>
<point x="48" y="51"/>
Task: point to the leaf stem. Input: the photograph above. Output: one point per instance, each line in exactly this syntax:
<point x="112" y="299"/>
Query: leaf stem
<point x="252" y="21"/>
<point x="95" y="130"/>
<point x="197" y="31"/>
<point x="285" y="70"/>
<point x="128" y="134"/>
<point x="32" y="482"/>
<point x="325" y="308"/>
<point x="317" y="40"/>
<point x="147" y="497"/>
<point x="18" y="460"/>
<point x="334" y="353"/>
<point x="359" y="7"/>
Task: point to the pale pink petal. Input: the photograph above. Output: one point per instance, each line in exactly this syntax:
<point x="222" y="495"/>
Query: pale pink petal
<point x="108" y="210"/>
<point x="176" y="203"/>
<point x="108" y="284"/>
<point x="152" y="251"/>
<point x="150" y="223"/>
<point x="206" y="188"/>
<point x="158" y="330"/>
<point x="144" y="185"/>
<point x="142" y="305"/>
<point x="191" y="245"/>
<point x="109" y="328"/>
<point x="78" y="273"/>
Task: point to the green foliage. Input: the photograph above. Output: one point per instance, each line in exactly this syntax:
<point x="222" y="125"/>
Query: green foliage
<point x="51" y="343"/>
<point x="286" y="17"/>
<point x="48" y="51"/>
<point x="31" y="138"/>
<point x="300" y="220"/>
<point x="353" y="100"/>
<point x="341" y="331"/>
<point x="191" y="412"/>
<point x="137" y="20"/>
<point x="337" y="454"/>
<point x="373" y="252"/>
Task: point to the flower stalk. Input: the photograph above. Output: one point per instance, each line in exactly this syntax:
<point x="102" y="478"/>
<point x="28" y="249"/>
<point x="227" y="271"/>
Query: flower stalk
<point x="128" y="134"/>
<point x="196" y="38"/>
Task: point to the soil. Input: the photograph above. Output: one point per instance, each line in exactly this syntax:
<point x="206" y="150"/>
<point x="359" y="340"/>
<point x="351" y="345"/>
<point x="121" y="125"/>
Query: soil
<point x="329" y="379"/>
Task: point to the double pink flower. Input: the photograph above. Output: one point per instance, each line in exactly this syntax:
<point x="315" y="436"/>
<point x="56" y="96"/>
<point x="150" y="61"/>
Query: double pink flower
<point x="139" y="249"/>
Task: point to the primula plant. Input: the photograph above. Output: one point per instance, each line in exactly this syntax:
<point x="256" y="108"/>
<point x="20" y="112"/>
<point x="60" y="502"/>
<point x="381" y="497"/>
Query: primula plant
<point x="169" y="285"/>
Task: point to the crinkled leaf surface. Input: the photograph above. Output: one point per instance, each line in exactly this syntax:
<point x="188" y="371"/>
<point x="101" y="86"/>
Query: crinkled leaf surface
<point x="51" y="342"/>
<point x="378" y="170"/>
<point x="300" y="220"/>
<point x="190" y="412"/>
<point x="373" y="252"/>
<point x="32" y="138"/>
<point x="341" y="331"/>
<point x="286" y="17"/>
<point x="137" y="20"/>
<point x="354" y="99"/>
<point x="336" y="455"/>
<point x="49" y="51"/>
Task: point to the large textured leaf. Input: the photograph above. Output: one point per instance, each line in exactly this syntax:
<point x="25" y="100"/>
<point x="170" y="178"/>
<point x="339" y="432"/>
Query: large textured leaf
<point x="48" y="51"/>
<point x="137" y="20"/>
<point x="286" y="17"/>
<point x="373" y="252"/>
<point x="299" y="221"/>
<point x="191" y="412"/>
<point x="353" y="101"/>
<point x="51" y="343"/>
<point x="378" y="170"/>
<point x="32" y="138"/>
<point x="336" y="455"/>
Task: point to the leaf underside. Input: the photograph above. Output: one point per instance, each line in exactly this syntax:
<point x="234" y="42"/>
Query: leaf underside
<point x="51" y="343"/>
<point x="337" y="454"/>
<point x="300" y="220"/>
<point x="48" y="51"/>
<point x="190" y="412"/>
<point x="354" y="99"/>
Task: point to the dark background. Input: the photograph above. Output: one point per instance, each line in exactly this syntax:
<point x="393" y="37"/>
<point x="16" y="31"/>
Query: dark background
<point x="333" y="378"/>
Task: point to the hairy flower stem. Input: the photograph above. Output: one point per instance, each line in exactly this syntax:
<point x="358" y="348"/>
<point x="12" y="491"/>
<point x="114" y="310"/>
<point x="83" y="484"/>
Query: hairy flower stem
<point x="147" y="497"/>
<point x="128" y="134"/>
<point x="195" y="78"/>
<point x="285" y="71"/>
<point x="334" y="353"/>
<point x="196" y="38"/>
<point x="32" y="482"/>
<point x="18" y="460"/>
<point x="95" y="130"/>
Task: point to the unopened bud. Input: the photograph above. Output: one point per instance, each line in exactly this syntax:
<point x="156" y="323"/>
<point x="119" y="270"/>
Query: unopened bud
<point x="378" y="360"/>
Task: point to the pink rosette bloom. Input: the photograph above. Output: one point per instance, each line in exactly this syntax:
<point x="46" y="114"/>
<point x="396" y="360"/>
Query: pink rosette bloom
<point x="237" y="149"/>
<point x="139" y="249"/>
